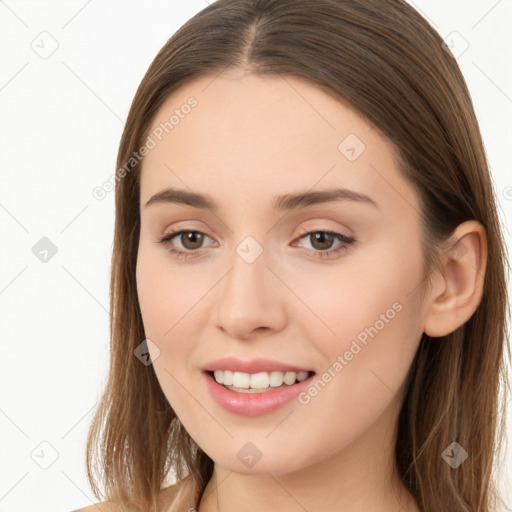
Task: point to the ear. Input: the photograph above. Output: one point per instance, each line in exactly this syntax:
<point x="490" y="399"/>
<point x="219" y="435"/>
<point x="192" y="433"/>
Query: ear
<point x="459" y="283"/>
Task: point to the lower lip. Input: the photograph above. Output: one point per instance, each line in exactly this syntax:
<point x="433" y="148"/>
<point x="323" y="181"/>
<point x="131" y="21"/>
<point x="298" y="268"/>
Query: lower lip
<point x="254" y="404"/>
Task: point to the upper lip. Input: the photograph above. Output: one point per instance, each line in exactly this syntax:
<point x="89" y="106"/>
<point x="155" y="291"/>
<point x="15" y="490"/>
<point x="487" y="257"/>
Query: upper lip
<point x="252" y="365"/>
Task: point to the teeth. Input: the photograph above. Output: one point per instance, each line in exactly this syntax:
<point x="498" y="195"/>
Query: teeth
<point x="241" y="380"/>
<point x="276" y="379"/>
<point x="228" y="377"/>
<point x="260" y="380"/>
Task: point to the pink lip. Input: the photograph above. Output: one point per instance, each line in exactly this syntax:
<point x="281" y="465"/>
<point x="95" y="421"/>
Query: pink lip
<point x="252" y="366"/>
<point x="253" y="404"/>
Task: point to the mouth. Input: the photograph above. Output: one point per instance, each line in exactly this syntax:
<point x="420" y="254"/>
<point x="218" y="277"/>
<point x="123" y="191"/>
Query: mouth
<point x="255" y="394"/>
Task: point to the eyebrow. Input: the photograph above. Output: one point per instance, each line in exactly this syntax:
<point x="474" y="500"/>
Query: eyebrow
<point x="282" y="203"/>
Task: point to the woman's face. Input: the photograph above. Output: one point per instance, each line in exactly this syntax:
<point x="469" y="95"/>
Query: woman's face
<point x="249" y="283"/>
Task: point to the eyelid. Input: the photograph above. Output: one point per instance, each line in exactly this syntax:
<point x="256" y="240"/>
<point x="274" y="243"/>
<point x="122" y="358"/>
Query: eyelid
<point x="175" y="232"/>
<point x="323" y="229"/>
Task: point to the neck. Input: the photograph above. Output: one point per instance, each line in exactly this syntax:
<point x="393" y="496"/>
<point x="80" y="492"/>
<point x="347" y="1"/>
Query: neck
<point x="359" y="478"/>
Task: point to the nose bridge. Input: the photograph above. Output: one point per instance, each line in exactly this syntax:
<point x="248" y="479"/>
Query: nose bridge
<point x="247" y="298"/>
<point x="246" y="282"/>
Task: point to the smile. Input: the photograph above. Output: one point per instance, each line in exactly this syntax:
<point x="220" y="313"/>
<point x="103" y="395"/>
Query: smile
<point x="247" y="401"/>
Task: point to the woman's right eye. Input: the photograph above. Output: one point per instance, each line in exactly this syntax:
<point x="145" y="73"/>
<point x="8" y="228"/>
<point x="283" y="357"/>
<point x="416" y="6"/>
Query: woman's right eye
<point x="190" y="240"/>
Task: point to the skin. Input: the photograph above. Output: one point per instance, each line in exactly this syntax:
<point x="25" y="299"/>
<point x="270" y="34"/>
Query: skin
<point x="248" y="140"/>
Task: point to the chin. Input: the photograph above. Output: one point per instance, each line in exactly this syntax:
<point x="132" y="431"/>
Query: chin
<point x="276" y="464"/>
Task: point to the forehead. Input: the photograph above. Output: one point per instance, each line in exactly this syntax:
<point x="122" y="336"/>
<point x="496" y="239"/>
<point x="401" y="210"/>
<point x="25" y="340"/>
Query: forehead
<point x="255" y="135"/>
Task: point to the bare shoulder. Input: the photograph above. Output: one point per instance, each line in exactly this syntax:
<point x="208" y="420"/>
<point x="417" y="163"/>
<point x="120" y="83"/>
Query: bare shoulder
<point x="168" y="494"/>
<point x="105" y="506"/>
<point x="166" y="497"/>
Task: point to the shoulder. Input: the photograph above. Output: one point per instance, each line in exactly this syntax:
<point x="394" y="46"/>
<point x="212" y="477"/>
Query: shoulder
<point x="168" y="494"/>
<point x="166" y="497"/>
<point x="179" y="496"/>
<point x="104" y="506"/>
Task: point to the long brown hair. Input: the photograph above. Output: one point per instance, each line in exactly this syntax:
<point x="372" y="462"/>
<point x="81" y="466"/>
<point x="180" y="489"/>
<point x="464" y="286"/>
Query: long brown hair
<point x="384" y="60"/>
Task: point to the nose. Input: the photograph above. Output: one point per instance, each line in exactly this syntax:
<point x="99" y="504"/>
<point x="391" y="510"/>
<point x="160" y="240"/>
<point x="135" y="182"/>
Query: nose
<point x="250" y="300"/>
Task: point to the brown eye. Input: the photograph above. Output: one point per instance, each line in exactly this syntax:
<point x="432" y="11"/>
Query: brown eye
<point x="322" y="243"/>
<point x="191" y="239"/>
<point x="184" y="242"/>
<point x="321" y="240"/>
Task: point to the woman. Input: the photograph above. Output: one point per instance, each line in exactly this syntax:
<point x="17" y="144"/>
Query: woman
<point x="308" y="288"/>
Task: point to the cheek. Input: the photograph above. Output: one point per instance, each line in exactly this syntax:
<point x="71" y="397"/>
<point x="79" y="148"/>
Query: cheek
<point x="150" y="292"/>
<point x="165" y="294"/>
<point x="170" y="301"/>
<point x="371" y="325"/>
<point x="364" y="371"/>
<point x="357" y="300"/>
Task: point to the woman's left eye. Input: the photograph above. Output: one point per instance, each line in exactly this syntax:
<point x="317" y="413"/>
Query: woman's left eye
<point x="321" y="241"/>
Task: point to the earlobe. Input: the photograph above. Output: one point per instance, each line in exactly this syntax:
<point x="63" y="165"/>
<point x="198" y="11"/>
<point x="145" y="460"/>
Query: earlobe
<point x="461" y="280"/>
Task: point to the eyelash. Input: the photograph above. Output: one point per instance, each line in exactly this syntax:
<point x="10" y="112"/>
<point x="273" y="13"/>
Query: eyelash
<point x="345" y="243"/>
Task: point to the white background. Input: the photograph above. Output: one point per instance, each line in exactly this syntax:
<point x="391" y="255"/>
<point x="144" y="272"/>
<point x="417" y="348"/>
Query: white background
<point x="61" y="119"/>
